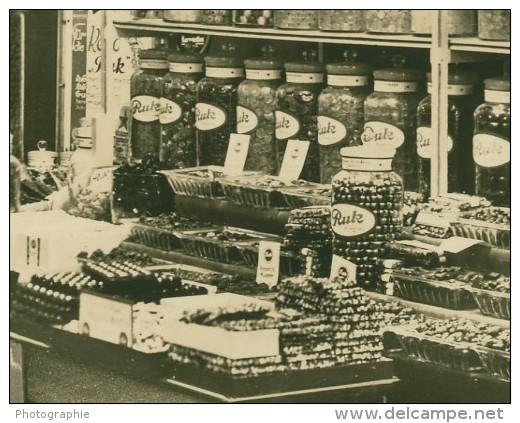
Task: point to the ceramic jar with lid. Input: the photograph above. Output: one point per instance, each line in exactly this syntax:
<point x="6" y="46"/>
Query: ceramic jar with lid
<point x="177" y="117"/>
<point x="256" y="112"/>
<point x="461" y="102"/>
<point x="391" y="119"/>
<point x="146" y="88"/>
<point x="215" y="110"/>
<point x="340" y="119"/>
<point x="492" y="143"/>
<point x="297" y="112"/>
<point x="367" y="201"/>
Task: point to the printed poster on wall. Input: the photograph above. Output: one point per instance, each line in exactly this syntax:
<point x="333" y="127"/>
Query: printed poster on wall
<point x="79" y="68"/>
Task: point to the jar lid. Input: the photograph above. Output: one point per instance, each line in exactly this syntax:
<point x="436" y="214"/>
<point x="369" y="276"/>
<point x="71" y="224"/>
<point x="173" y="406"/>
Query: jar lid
<point x="346" y="68"/>
<point x="224" y="62"/>
<point x="305" y="67"/>
<point x="368" y="152"/>
<point x="458" y="77"/>
<point x="398" y="74"/>
<point x="497" y="84"/>
<point x="191" y="57"/>
<point x="262" y="63"/>
<point x="154" y="54"/>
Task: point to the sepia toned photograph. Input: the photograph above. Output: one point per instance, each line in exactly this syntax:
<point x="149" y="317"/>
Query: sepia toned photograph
<point x="265" y="206"/>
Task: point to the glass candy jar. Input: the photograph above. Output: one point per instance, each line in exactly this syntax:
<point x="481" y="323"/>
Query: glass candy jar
<point x="458" y="22"/>
<point x="179" y="95"/>
<point x="367" y="201"/>
<point x="391" y="119"/>
<point x="297" y="111"/>
<point x="254" y="18"/>
<point x="461" y="101"/>
<point x="296" y="19"/>
<point x="340" y="119"/>
<point x="146" y="87"/>
<point x="396" y="21"/>
<point x="216" y="16"/>
<point x="342" y="20"/>
<point x="215" y="110"/>
<point x="491" y="143"/>
<point x="255" y="112"/>
<point x="494" y="24"/>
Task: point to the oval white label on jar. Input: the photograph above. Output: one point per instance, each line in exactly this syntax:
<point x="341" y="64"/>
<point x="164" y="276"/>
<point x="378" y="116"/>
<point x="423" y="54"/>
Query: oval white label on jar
<point x="145" y="108"/>
<point x="247" y="120"/>
<point x="490" y="150"/>
<point x="209" y="117"/>
<point x="350" y="221"/>
<point x="382" y="133"/>
<point x="330" y="131"/>
<point x="170" y="111"/>
<point x="424" y="136"/>
<point x="286" y="125"/>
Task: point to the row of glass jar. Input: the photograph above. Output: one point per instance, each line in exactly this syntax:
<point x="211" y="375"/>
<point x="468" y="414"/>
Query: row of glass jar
<point x="186" y="117"/>
<point x="492" y="24"/>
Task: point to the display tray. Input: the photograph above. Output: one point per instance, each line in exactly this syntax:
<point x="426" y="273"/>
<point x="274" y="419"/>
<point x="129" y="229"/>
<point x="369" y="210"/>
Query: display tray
<point x="314" y="195"/>
<point x="492" y="303"/>
<point x="497" y="234"/>
<point x="198" y="243"/>
<point x="236" y="387"/>
<point x="437" y="293"/>
<point x="458" y="356"/>
<point x="201" y="181"/>
<point x="150" y="236"/>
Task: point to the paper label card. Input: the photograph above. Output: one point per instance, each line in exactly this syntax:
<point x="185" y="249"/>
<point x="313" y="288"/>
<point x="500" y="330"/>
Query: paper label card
<point x="268" y="270"/>
<point x="294" y="159"/>
<point x="238" y="148"/>
<point x="456" y="244"/>
<point x="343" y="268"/>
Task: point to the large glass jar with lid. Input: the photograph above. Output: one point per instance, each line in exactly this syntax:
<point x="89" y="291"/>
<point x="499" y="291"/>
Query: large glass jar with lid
<point x="146" y="88"/>
<point x="391" y="119"/>
<point x="215" y="110"/>
<point x="255" y="112"/>
<point x="393" y="21"/>
<point x="296" y="19"/>
<point x="340" y="118"/>
<point x="491" y="143"/>
<point x="367" y="200"/>
<point x="342" y="20"/>
<point x="297" y="112"/>
<point x="177" y="117"/>
<point x="461" y="102"/>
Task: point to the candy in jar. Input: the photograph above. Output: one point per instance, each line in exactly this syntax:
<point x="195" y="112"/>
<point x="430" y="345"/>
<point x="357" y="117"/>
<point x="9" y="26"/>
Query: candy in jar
<point x="297" y="111"/>
<point x="146" y="93"/>
<point x="340" y="119"/>
<point x="215" y="110"/>
<point x="254" y="17"/>
<point x="391" y="119"/>
<point x="494" y="24"/>
<point x="296" y="19"/>
<point x="367" y="201"/>
<point x="397" y="21"/>
<point x="216" y="16"/>
<point x="342" y="20"/>
<point x="255" y="112"/>
<point x="491" y="143"/>
<point x="179" y="95"/>
<point x="461" y="102"/>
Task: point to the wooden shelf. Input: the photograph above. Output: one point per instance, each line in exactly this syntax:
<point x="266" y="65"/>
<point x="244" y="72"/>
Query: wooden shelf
<point x="474" y="44"/>
<point x="148" y="26"/>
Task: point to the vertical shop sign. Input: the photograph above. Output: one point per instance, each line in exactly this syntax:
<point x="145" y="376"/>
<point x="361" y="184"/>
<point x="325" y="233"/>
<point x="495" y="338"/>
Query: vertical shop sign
<point x="79" y="66"/>
<point x="95" y="44"/>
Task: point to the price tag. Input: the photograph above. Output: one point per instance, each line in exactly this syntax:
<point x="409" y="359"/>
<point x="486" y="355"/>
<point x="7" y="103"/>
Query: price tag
<point x="456" y="244"/>
<point x="294" y="159"/>
<point x="432" y="219"/>
<point x="342" y="268"/>
<point x="236" y="154"/>
<point x="268" y="269"/>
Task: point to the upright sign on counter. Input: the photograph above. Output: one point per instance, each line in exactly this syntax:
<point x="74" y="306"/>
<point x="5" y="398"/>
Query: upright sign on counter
<point x="268" y="270"/>
<point x="236" y="156"/>
<point x="294" y="159"/>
